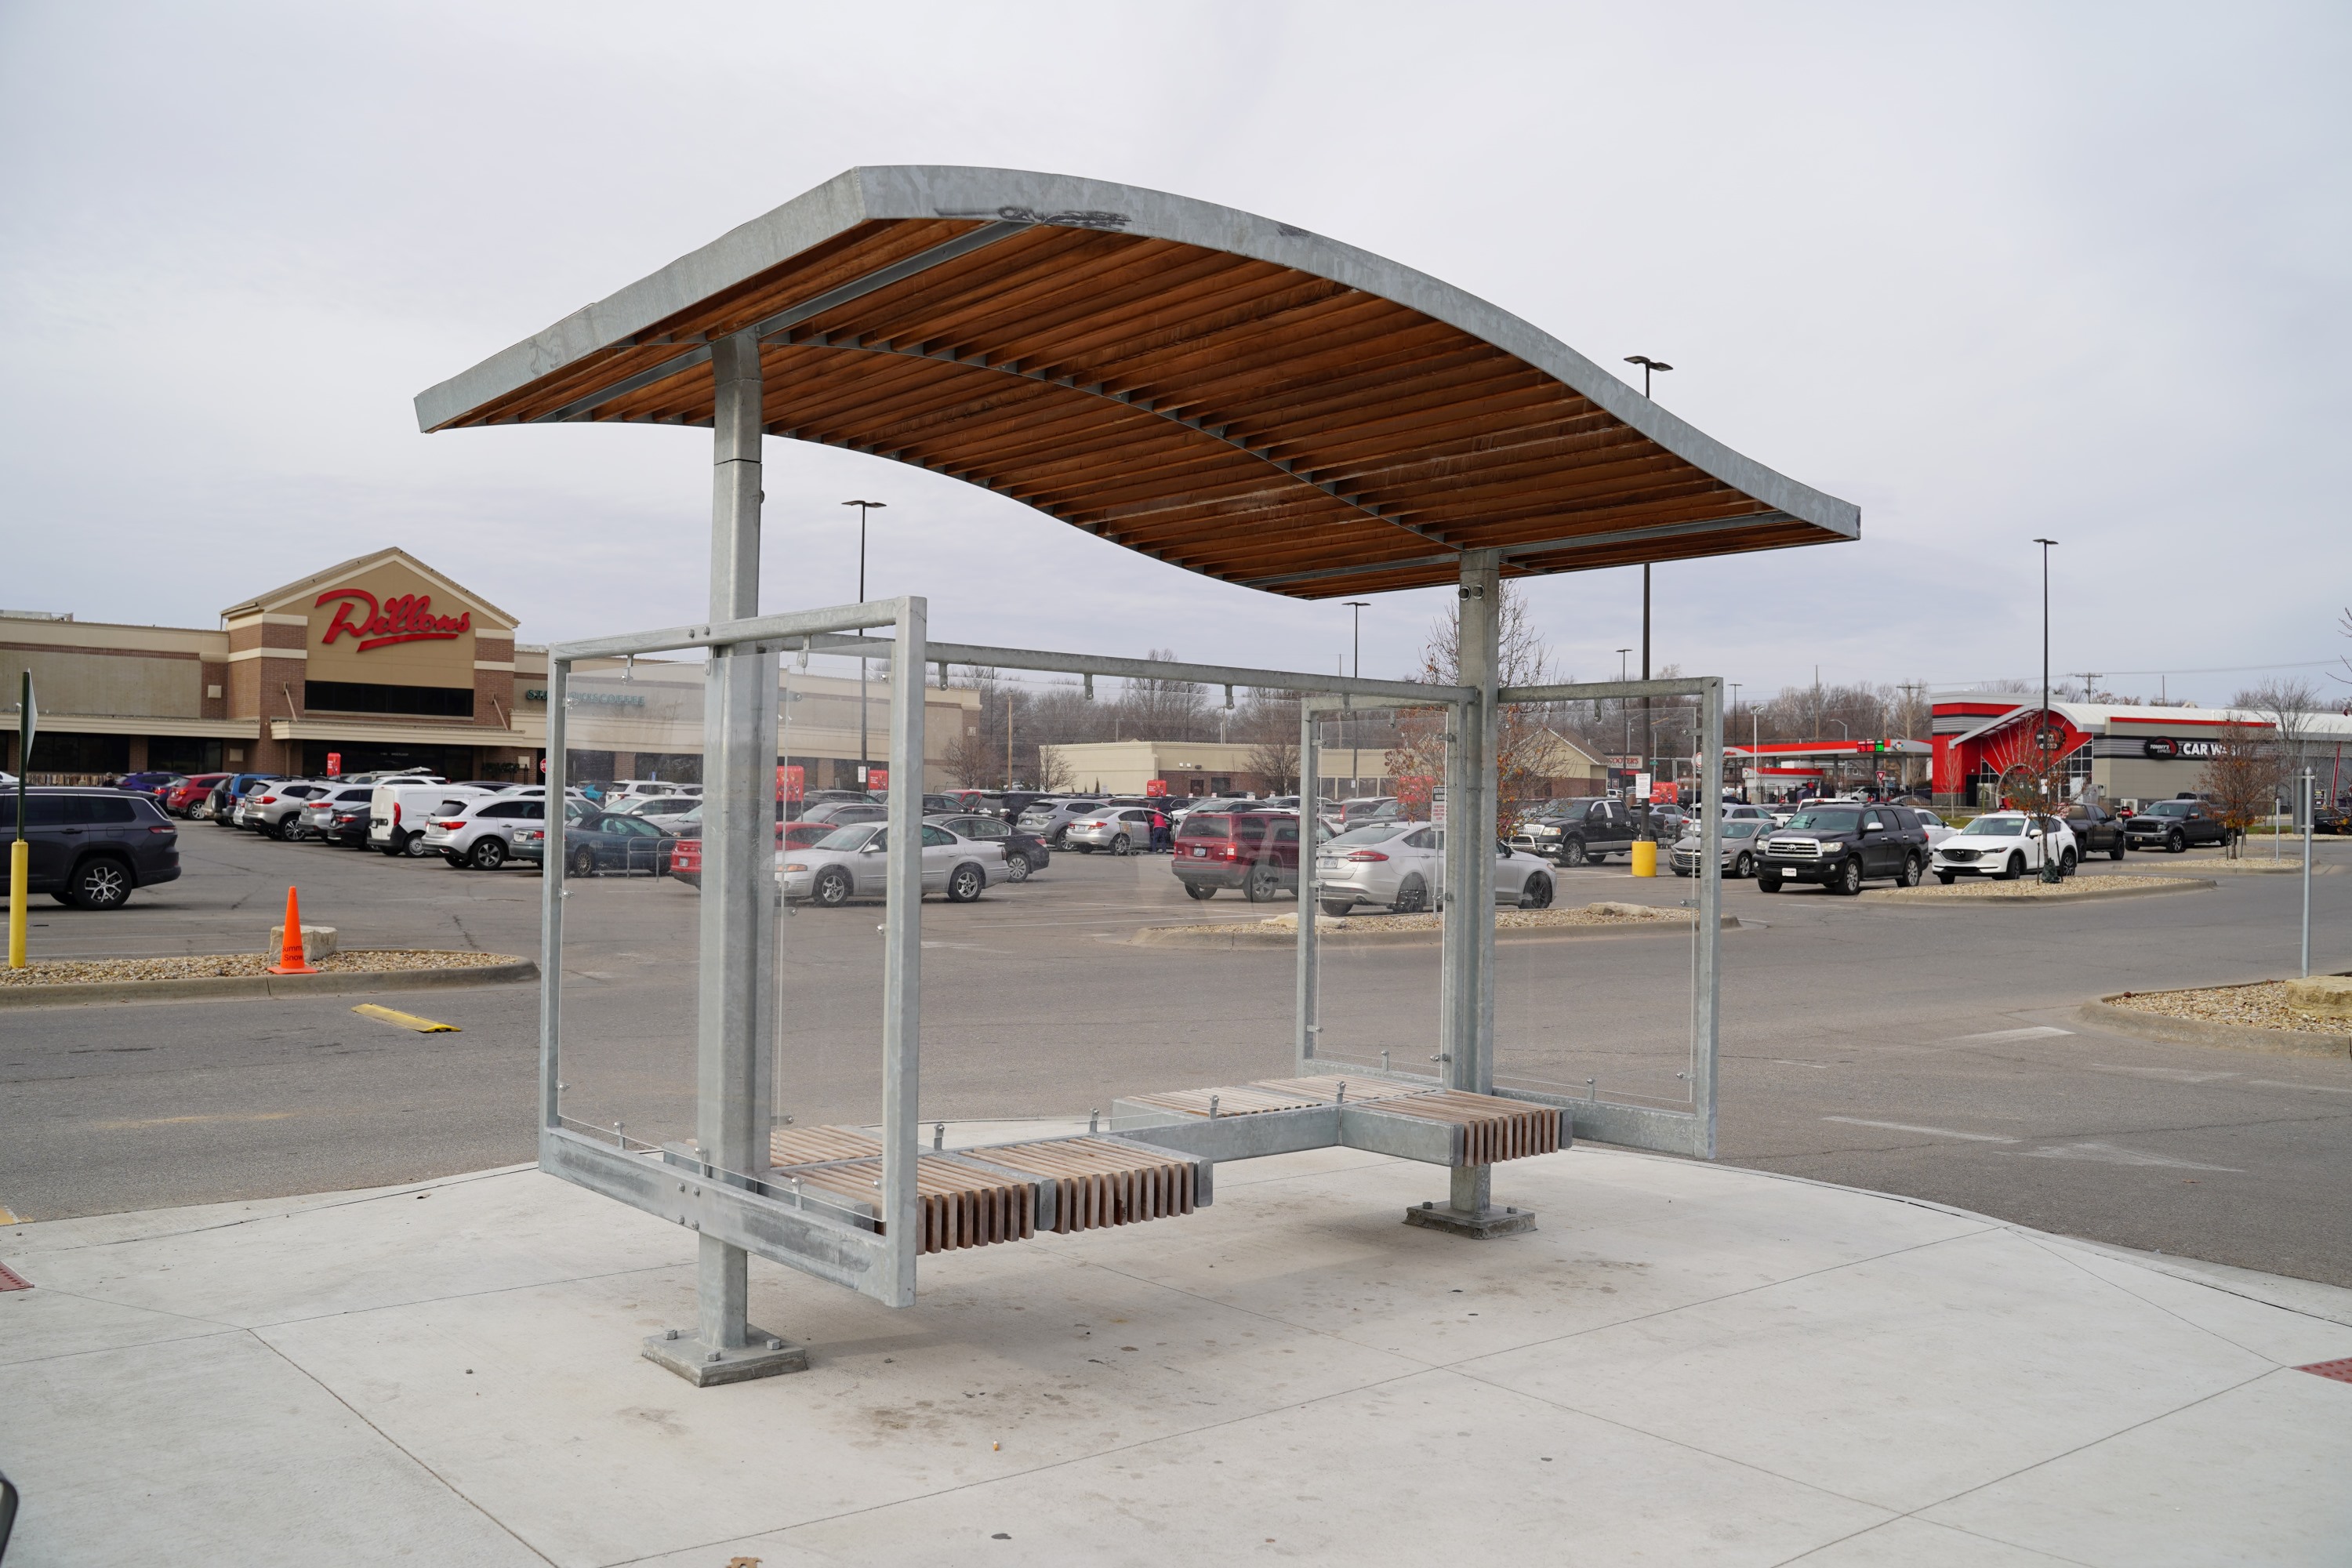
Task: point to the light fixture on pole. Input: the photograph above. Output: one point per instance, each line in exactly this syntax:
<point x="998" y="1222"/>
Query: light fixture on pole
<point x="862" y="508"/>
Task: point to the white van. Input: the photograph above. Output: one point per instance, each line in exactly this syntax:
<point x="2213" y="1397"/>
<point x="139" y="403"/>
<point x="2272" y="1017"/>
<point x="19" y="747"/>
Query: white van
<point x="399" y="811"/>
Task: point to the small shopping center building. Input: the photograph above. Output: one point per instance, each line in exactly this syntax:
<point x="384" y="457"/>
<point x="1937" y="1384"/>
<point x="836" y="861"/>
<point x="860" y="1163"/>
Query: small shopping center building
<point x="381" y="662"/>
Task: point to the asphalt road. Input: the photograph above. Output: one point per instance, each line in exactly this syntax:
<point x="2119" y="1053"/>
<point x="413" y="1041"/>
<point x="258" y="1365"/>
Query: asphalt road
<point x="1931" y="1052"/>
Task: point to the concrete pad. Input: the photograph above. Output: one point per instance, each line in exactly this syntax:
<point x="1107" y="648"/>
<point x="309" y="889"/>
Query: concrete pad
<point x="218" y="1452"/>
<point x="2254" y="1475"/>
<point x="2028" y="1358"/>
<point x="1915" y="1544"/>
<point x="1434" y="1467"/>
<point x="1685" y="1364"/>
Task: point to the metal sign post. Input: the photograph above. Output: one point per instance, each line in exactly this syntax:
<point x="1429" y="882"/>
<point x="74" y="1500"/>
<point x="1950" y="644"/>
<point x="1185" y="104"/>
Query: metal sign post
<point x="20" y="854"/>
<point x="2306" y="810"/>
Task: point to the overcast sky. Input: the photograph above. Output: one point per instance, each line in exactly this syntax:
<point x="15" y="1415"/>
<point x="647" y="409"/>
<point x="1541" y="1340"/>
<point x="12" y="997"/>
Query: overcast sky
<point x="1988" y="272"/>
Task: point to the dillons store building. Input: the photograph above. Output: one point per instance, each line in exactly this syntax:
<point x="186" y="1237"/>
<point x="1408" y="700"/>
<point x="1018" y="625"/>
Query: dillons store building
<point x="381" y="662"/>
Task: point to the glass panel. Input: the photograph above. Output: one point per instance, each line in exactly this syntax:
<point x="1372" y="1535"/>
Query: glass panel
<point x="630" y="941"/>
<point x="1594" y="966"/>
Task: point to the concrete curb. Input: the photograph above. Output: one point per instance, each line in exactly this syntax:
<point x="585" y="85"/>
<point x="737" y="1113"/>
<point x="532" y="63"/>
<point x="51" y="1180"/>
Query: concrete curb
<point x="1938" y="899"/>
<point x="233" y="988"/>
<point x="2196" y="1032"/>
<point x="1242" y="935"/>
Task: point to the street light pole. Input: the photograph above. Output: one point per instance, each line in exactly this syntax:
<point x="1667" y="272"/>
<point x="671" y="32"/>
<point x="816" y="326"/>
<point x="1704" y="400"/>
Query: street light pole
<point x="862" y="508"/>
<point x="1648" y="735"/>
<point x="2042" y="722"/>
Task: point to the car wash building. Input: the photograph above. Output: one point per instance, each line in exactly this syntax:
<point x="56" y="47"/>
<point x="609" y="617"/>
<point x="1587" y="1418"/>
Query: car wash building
<point x="2118" y="753"/>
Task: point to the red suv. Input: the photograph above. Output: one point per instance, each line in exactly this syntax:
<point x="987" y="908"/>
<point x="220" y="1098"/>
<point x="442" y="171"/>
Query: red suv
<point x="183" y="796"/>
<point x="1256" y="851"/>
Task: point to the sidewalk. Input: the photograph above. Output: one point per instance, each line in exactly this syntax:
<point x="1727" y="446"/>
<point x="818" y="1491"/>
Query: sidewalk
<point x="1685" y="1364"/>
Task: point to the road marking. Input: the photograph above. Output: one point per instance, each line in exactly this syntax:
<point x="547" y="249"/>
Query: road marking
<point x="2039" y="1032"/>
<point x="404" y="1020"/>
<point x="2174" y="1075"/>
<point x="1930" y="1131"/>
<point x="1819" y="1067"/>
<point x="186" y="1120"/>
<point x="2107" y="1154"/>
<point x="8" y="1216"/>
<point x="2315" y="1088"/>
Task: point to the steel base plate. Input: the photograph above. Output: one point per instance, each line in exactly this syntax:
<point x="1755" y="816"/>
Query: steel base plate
<point x="765" y="1356"/>
<point x="1486" y="1223"/>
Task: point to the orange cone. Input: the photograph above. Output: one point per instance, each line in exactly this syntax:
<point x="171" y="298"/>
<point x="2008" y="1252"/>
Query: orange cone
<point x="289" y="952"/>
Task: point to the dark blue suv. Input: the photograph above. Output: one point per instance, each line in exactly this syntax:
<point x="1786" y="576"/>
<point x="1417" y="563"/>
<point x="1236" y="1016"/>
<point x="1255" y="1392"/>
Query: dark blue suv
<point x="90" y="848"/>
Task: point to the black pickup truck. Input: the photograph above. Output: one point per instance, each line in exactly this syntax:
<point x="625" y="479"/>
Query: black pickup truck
<point x="2175" y="825"/>
<point x="2097" y="830"/>
<point x="1578" y="832"/>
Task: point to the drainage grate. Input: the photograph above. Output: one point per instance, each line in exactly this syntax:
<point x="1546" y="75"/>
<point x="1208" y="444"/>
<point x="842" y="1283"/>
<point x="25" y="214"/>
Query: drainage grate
<point x="12" y="1280"/>
<point x="2341" y="1371"/>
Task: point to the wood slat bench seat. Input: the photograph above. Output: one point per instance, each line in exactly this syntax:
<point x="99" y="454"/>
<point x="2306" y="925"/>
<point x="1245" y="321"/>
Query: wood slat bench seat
<point x="957" y="1205"/>
<point x="1239" y="1100"/>
<point x="809" y="1145"/>
<point x="1104" y="1182"/>
<point x="1494" y="1129"/>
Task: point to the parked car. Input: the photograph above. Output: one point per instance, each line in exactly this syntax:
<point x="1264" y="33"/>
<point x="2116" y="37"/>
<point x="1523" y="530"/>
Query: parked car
<point x="842" y="813"/>
<point x="686" y="848"/>
<point x="2006" y="844"/>
<point x="183" y="798"/>
<point x="1363" y="808"/>
<point x="275" y="810"/>
<point x="1050" y="819"/>
<point x="1842" y="847"/>
<point x="640" y="789"/>
<point x="1256" y="851"/>
<point x="1397" y="864"/>
<point x="853" y="862"/>
<point x="1025" y="854"/>
<point x="1122" y="830"/>
<point x="151" y="784"/>
<point x="1586" y="830"/>
<point x="90" y="848"/>
<point x="220" y="806"/>
<point x="480" y="834"/>
<point x="2326" y="818"/>
<point x="1935" y="826"/>
<point x="339" y="815"/>
<point x="1738" y="848"/>
<point x="2175" y="825"/>
<point x="665" y="812"/>
<point x="2096" y="830"/>
<point x="399" y="810"/>
<point x="601" y="841"/>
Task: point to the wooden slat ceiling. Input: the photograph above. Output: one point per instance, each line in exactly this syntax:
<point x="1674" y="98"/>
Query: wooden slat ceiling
<point x="1256" y="422"/>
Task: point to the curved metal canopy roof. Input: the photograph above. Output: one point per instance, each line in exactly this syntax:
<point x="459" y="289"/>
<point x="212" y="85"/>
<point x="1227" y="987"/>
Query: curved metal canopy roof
<point x="1231" y="395"/>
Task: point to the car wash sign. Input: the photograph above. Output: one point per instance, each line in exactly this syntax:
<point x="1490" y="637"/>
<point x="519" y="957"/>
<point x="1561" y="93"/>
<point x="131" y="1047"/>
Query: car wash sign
<point x="2167" y="748"/>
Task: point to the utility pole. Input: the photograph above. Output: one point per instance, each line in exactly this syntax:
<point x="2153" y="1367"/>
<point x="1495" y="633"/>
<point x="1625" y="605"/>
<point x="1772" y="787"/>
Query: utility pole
<point x="1624" y="711"/>
<point x="2043" y="739"/>
<point x="862" y="508"/>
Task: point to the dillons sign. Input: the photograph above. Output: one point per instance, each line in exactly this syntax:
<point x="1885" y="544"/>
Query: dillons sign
<point x="407" y="618"/>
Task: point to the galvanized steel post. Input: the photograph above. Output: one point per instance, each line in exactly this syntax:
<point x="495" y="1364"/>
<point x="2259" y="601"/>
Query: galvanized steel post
<point x="1706" y="979"/>
<point x="1310" y="958"/>
<point x="902" y="959"/>
<point x="739" y="889"/>
<point x="1470" y="790"/>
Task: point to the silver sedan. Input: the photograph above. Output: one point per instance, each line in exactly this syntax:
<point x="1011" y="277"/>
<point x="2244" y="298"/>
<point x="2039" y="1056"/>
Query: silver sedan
<point x="853" y="862"/>
<point x="1738" y="848"/>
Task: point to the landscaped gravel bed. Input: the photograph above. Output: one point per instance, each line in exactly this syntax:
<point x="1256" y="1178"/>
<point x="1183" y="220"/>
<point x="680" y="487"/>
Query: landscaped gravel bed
<point x="1604" y="914"/>
<point x="104" y="971"/>
<point x="2026" y="886"/>
<point x="2260" y="1006"/>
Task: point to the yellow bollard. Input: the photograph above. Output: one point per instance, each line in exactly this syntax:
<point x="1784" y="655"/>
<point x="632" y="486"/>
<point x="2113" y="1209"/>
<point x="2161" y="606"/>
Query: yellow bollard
<point x="1645" y="857"/>
<point x="20" y="871"/>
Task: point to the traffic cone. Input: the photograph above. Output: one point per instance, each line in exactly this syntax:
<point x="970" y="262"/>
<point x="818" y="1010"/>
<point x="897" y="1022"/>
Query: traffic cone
<point x="290" y="951"/>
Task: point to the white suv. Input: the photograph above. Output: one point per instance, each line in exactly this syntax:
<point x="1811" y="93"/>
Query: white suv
<point x="632" y="789"/>
<point x="480" y="834"/>
<point x="276" y="808"/>
<point x="398" y="811"/>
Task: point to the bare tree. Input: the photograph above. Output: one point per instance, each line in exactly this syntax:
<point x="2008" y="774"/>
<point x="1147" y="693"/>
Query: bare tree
<point x="2288" y="705"/>
<point x="2241" y="778"/>
<point x="1521" y="745"/>
<point x="1157" y="710"/>
<point x="1269" y="723"/>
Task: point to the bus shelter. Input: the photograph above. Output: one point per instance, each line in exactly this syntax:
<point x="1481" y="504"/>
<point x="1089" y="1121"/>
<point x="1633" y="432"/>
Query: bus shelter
<point x="1235" y="396"/>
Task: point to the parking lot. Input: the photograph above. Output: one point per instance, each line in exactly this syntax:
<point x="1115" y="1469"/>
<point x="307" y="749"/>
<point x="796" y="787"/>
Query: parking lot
<point x="1931" y="1052"/>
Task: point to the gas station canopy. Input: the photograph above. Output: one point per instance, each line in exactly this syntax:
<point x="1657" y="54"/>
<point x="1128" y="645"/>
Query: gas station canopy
<point x="1219" y="391"/>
